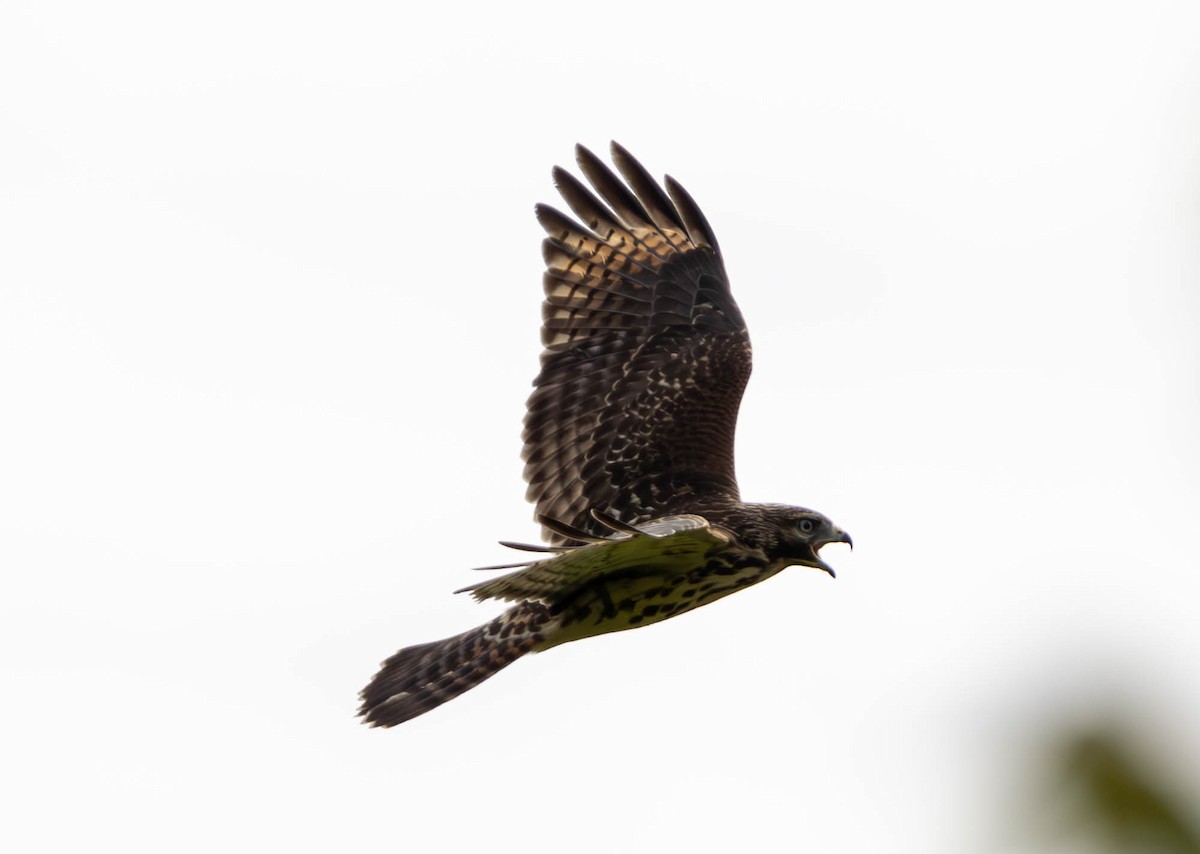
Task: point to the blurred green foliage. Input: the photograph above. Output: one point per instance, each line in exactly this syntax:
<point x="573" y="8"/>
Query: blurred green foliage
<point x="1117" y="798"/>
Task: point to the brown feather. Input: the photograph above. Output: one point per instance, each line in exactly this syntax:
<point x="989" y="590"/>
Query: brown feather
<point x="646" y="356"/>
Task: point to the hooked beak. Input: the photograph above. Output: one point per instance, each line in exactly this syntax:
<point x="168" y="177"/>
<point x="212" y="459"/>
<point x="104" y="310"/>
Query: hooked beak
<point x="839" y="536"/>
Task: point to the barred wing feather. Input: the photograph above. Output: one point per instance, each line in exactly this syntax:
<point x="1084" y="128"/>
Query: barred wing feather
<point x="646" y="354"/>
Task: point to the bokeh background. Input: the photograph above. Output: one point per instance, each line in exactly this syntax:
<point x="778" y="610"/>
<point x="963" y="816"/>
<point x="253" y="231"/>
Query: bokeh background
<point x="269" y="297"/>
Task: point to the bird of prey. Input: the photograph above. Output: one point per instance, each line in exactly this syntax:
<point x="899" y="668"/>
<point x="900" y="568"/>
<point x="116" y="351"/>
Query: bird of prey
<point x="628" y="443"/>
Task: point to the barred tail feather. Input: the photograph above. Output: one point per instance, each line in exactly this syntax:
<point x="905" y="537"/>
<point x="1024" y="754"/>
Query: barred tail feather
<point x="420" y="678"/>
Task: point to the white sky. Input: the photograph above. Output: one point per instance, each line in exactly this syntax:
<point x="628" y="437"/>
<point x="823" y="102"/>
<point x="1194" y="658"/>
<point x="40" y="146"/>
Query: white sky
<point x="269" y="296"/>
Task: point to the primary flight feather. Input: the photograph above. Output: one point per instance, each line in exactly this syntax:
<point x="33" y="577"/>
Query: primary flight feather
<point x="629" y="439"/>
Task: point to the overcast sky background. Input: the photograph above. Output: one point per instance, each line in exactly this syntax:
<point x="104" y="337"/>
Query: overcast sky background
<point x="269" y="298"/>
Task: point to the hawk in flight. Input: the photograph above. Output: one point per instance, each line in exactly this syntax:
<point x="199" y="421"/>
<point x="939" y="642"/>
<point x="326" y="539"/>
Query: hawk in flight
<point x="628" y="443"/>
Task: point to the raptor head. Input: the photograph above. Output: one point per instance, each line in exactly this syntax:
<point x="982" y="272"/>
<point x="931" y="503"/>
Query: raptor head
<point x="803" y="532"/>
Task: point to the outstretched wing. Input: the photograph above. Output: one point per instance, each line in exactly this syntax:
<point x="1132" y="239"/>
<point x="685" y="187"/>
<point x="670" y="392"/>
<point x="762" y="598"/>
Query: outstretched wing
<point x="664" y="547"/>
<point x="646" y="354"/>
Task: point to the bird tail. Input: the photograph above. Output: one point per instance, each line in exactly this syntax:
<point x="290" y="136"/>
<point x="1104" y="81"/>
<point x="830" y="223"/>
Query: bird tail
<point x="420" y="678"/>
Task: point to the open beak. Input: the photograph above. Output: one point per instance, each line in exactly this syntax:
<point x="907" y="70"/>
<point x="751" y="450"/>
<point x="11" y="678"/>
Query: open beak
<point x="839" y="536"/>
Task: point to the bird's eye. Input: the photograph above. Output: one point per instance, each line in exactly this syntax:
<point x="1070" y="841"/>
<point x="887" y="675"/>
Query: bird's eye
<point x="806" y="526"/>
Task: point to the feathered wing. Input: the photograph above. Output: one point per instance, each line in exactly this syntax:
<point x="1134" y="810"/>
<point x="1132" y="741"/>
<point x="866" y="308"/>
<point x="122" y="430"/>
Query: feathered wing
<point x="646" y="354"/>
<point x="675" y="545"/>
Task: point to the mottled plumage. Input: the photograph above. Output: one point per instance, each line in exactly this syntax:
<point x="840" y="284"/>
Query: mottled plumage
<point x="629" y="440"/>
<point x="646" y="354"/>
